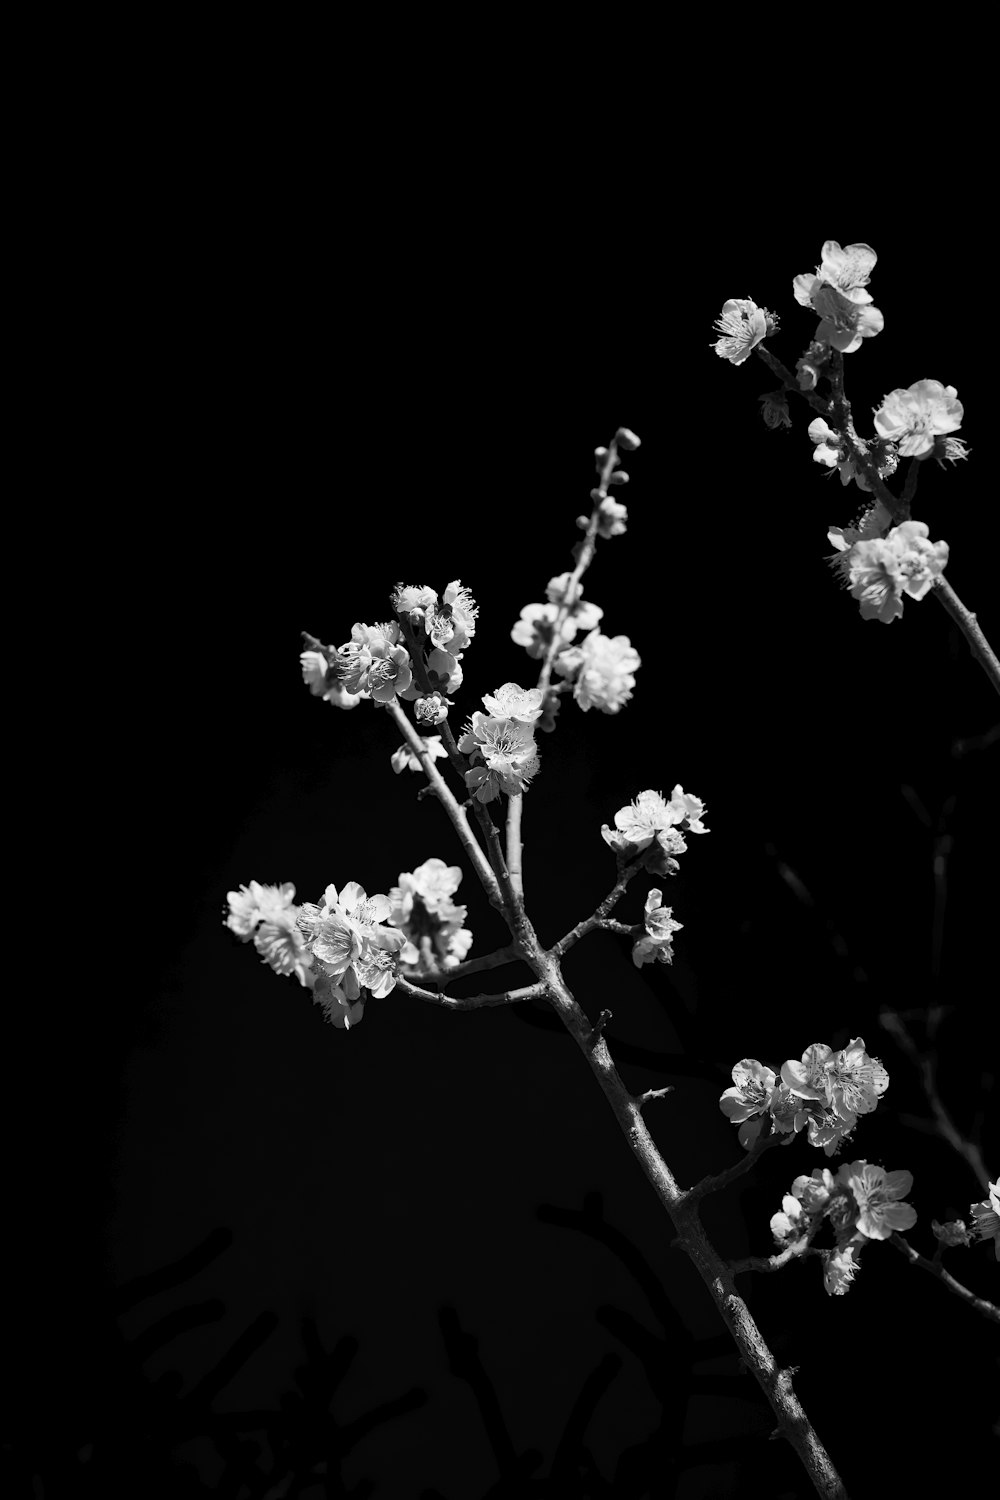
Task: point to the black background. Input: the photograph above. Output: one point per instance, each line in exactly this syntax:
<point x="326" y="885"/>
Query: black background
<point x="329" y="381"/>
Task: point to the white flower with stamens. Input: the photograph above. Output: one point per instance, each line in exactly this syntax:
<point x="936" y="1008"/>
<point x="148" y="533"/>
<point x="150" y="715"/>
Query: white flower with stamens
<point x="742" y="324"/>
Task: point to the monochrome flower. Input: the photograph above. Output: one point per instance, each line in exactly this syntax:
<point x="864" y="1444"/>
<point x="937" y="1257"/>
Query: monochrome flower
<point x="751" y="1093"/>
<point x="404" y="759"/>
<point x="987" y="1217"/>
<point x="655" y="945"/>
<point x="839" y="1267"/>
<point x="848" y="270"/>
<point x="513" y="702"/>
<point x="604" y="668"/>
<point x="281" y="945"/>
<point x="507" y="752"/>
<point x="913" y="418"/>
<point x="877" y="1194"/>
<point x="742" y="324"/>
<point x="257" y="903"/>
<point x="880" y="571"/>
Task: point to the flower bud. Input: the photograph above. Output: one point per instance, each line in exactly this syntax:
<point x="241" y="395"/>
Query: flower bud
<point x="626" y="439"/>
<point x="952" y="1233"/>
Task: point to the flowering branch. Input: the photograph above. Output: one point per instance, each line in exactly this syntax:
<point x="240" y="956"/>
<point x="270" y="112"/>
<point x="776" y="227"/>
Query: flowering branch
<point x="970" y="628"/>
<point x="979" y="1304"/>
<point x="607" y="905"/>
<point x="449" y="803"/>
<point x="469" y="1002"/>
<point x="586" y="552"/>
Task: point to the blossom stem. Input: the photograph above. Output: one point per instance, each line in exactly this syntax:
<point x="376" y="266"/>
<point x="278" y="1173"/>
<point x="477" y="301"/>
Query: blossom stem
<point x="469" y="1002"/>
<point x="589" y="924"/>
<point x="776" y="1383"/>
<point x="899" y="509"/>
<point x="790" y="383"/>
<point x="923" y="1062"/>
<point x="794" y="1251"/>
<point x="912" y="475"/>
<point x="732" y="1174"/>
<point x="582" y="564"/>
<point x="508" y="955"/>
<point x="514" y="851"/>
<point x="969" y="626"/>
<point x="979" y="1304"/>
<point x="450" y="805"/>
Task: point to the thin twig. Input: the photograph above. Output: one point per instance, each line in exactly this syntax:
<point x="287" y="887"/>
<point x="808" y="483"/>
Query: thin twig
<point x="447" y="799"/>
<point x="979" y="1304"/>
<point x="590" y="924"/>
<point x="508" y="955"/>
<point x="970" y="628"/>
<point x="732" y="1174"/>
<point x="570" y="595"/>
<point x="469" y="1002"/>
<point x="893" y="1023"/>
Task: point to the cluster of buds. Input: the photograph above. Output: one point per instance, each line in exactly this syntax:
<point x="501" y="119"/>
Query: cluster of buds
<point x="430" y="921"/>
<point x="861" y="1202"/>
<point x="823" y="1094"/>
<point x="501" y="742"/>
<point x="655" y="828"/>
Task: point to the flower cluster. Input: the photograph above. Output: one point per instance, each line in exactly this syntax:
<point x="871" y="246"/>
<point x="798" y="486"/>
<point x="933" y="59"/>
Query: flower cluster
<point x="742" y="324"/>
<point x="653" y="823"/>
<point x="986" y="1214"/>
<point x="879" y="570"/>
<point x="351" y="950"/>
<point x="655" y="945"/>
<point x="603" y="671"/>
<point x="440" y="628"/>
<point x="845" y="453"/>
<point x="429" y="920"/>
<point x="824" y="1093"/>
<point x="501" y="742"/>
<point x="267" y="914"/>
<point x="537" y="625"/>
<point x="372" y="664"/>
<point x="837" y="293"/>
<point x="321" y="676"/>
<point x="861" y="1203"/>
<point x="916" y="417"/>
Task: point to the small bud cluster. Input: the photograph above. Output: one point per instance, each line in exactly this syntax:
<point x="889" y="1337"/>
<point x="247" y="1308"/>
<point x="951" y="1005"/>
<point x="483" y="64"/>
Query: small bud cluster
<point x="823" y="1094"/>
